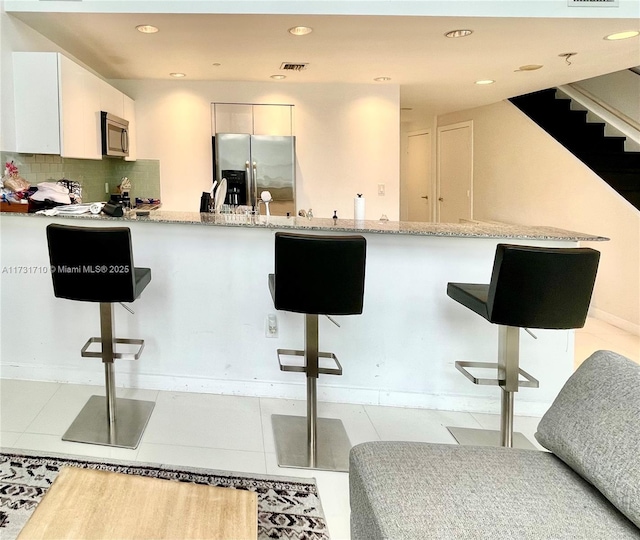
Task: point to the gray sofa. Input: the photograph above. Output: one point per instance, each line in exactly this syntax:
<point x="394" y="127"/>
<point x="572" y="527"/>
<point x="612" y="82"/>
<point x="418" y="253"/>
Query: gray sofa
<point x="586" y="486"/>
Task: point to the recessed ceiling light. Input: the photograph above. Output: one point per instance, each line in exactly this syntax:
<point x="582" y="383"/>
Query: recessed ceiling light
<point x="147" y="28"/>
<point x="278" y="77"/>
<point x="529" y="67"/>
<point x="382" y="79"/>
<point x="622" y="35"/>
<point x="300" y="30"/>
<point x="177" y="75"/>
<point x="485" y="81"/>
<point x="458" y="33"/>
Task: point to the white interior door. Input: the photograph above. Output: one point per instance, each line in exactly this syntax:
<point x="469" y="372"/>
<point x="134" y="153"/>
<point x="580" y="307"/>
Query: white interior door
<point x="419" y="194"/>
<point x="455" y="172"/>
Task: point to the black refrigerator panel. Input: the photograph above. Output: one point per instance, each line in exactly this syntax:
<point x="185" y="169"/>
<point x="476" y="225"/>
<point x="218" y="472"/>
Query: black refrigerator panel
<point x="236" y="187"/>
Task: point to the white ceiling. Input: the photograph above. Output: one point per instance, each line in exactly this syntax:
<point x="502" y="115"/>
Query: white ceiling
<point x="436" y="75"/>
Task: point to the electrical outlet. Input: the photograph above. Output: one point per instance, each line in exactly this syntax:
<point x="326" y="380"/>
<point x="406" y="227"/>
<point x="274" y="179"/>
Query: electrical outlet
<point x="271" y="326"/>
<point x="381" y="190"/>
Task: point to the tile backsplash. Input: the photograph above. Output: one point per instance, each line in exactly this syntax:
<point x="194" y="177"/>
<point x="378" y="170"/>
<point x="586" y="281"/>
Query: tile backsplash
<point x="144" y="174"/>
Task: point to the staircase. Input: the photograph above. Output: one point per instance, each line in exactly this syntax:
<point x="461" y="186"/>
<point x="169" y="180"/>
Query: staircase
<point x="602" y="154"/>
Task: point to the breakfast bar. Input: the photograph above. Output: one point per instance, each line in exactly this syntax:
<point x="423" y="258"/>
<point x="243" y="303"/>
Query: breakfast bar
<point x="205" y="319"/>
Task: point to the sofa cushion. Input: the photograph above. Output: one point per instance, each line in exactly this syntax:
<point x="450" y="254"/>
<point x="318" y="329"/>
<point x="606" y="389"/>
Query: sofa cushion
<point x="409" y="490"/>
<point x="594" y="427"/>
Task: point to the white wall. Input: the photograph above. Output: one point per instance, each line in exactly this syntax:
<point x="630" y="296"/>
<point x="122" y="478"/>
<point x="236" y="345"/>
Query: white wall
<point x="522" y="175"/>
<point x="347" y="139"/>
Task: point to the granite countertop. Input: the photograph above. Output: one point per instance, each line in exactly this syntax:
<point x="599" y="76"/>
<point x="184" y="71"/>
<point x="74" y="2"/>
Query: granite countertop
<point x="469" y="229"/>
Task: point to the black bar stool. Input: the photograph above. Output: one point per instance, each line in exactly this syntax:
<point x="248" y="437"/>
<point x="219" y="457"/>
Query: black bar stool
<point x="96" y="265"/>
<point x="315" y="275"/>
<point x="531" y="287"/>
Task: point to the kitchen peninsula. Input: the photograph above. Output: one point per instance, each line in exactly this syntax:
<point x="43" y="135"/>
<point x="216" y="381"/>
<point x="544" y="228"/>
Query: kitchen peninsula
<point x="203" y="316"/>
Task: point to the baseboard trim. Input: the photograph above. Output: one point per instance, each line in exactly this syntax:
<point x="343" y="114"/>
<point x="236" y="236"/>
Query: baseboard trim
<point x="614" y="320"/>
<point x="274" y="389"/>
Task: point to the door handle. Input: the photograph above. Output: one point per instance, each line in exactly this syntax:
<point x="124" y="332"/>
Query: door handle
<point x="255" y="182"/>
<point x="248" y="182"/>
<point x="440" y="199"/>
<point x="425" y="197"/>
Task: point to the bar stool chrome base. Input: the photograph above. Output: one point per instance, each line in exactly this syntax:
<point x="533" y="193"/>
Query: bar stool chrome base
<point x="92" y="425"/>
<point x="107" y="420"/>
<point x="487" y="437"/>
<point x="311" y="442"/>
<point x="292" y="449"/>
<point x="508" y="379"/>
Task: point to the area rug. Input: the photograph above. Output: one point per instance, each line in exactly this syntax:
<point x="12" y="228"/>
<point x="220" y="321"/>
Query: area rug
<point x="288" y="508"/>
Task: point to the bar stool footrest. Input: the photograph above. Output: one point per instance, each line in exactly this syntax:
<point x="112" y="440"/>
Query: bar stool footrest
<point x="529" y="382"/>
<point x="116" y="356"/>
<point x="92" y="424"/>
<point x="303" y="369"/>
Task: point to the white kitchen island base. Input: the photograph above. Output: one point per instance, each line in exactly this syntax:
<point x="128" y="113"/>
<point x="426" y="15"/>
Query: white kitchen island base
<point x="203" y="316"/>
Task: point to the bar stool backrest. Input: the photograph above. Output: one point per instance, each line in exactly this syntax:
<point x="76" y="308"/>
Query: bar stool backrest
<point x="319" y="274"/>
<point x="539" y="287"/>
<point x="91" y="264"/>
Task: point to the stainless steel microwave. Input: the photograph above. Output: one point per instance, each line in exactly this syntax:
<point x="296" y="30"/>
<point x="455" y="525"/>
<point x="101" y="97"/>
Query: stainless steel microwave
<point x="115" y="135"/>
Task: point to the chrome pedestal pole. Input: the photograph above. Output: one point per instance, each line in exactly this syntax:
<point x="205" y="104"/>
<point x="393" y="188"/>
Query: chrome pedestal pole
<point x="325" y="445"/>
<point x="509" y="372"/>
<point x="107" y="420"/>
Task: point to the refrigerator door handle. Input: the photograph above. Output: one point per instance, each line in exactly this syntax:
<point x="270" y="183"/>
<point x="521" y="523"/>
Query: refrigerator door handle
<point x="249" y="182"/>
<point x="255" y="183"/>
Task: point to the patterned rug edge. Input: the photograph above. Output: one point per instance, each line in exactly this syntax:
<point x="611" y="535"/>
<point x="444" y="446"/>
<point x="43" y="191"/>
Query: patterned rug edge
<point x="163" y="466"/>
<point x="279" y="483"/>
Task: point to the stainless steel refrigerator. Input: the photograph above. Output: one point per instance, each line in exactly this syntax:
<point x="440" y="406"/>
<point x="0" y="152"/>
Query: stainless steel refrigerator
<point x="256" y="163"/>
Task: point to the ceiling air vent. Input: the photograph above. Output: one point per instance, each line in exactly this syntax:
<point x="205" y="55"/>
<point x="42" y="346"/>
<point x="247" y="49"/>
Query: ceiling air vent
<point x="593" y="3"/>
<point x="294" y="66"/>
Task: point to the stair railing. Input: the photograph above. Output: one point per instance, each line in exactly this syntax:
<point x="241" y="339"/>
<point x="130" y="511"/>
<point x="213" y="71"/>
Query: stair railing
<point x="626" y="125"/>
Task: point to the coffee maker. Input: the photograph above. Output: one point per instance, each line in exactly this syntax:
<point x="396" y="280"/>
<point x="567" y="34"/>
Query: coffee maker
<point x="236" y="187"/>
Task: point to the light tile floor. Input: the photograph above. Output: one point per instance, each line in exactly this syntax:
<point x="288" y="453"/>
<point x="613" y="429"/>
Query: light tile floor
<point x="234" y="433"/>
<point x="598" y="334"/>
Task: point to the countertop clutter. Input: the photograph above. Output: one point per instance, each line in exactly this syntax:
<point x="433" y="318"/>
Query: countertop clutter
<point x="470" y="229"/>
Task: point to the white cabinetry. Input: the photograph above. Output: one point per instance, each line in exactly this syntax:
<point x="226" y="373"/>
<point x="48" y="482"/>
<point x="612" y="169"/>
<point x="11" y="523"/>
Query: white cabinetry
<point x="115" y="102"/>
<point x="111" y="99"/>
<point x="254" y="119"/>
<point x="129" y="113"/>
<point x="79" y="103"/>
<point x="58" y="104"/>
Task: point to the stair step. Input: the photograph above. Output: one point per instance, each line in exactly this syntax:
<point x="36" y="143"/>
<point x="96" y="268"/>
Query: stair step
<point x="606" y="144"/>
<point x="613" y="161"/>
<point x="565" y="120"/>
<point x="593" y="133"/>
<point x="587" y="141"/>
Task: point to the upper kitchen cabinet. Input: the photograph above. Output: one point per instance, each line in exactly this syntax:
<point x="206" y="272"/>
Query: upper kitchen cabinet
<point x="129" y="113"/>
<point x="118" y="104"/>
<point x="253" y="119"/>
<point x="58" y="104"/>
